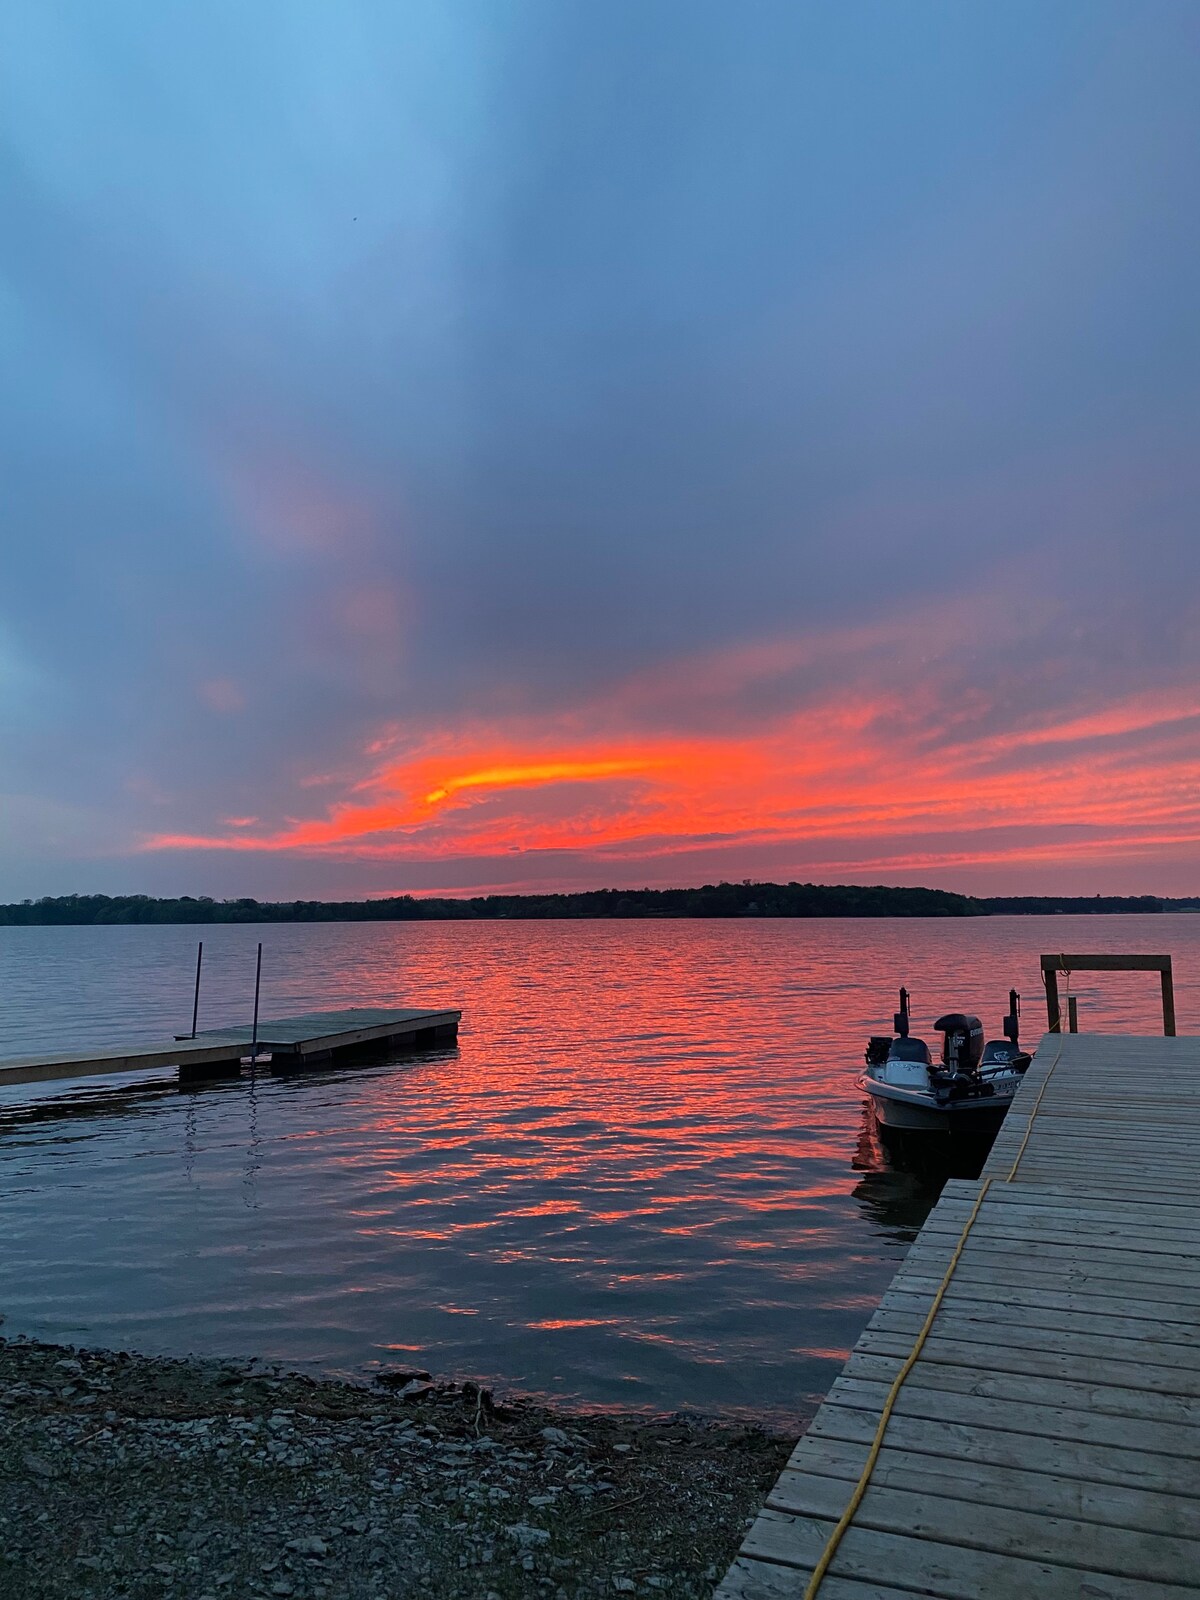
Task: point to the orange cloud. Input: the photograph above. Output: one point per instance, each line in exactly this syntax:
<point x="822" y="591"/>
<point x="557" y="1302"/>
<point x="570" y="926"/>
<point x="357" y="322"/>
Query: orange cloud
<point x="877" y="759"/>
<point x="540" y="773"/>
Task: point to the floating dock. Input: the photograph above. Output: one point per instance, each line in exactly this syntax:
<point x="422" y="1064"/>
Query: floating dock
<point x="1022" y="1415"/>
<point x="290" y="1042"/>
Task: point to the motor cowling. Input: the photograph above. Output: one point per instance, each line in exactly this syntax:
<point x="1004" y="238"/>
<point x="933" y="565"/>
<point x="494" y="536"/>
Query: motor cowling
<point x="962" y="1042"/>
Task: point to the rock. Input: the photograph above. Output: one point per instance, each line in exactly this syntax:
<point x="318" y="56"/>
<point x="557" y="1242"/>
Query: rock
<point x="555" y="1436"/>
<point x="310" y="1546"/>
<point x="39" y="1465"/>
<point x="398" y="1377"/>
<point x="624" y="1585"/>
<point x="523" y="1534"/>
<point x="411" y="1390"/>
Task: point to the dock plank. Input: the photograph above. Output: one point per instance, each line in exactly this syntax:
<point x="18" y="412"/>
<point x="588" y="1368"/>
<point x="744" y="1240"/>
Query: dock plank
<point x="1016" y="1487"/>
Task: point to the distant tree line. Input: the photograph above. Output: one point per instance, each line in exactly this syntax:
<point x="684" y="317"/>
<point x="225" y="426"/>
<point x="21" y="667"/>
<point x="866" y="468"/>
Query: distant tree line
<point x="745" y="899"/>
<point x="1031" y="905"/>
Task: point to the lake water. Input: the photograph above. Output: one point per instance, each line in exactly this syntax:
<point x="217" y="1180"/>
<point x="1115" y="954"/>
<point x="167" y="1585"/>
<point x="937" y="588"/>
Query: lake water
<point x="644" y="1177"/>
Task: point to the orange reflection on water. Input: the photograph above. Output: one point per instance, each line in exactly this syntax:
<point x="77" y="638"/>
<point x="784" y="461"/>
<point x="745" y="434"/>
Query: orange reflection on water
<point x="643" y="1174"/>
<point x="556" y="1324"/>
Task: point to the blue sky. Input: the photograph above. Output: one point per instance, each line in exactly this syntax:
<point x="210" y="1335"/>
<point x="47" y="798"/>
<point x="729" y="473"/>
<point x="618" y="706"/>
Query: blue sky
<point x="647" y="424"/>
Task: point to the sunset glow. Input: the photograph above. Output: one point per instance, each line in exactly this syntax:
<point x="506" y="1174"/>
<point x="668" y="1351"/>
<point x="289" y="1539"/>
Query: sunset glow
<point x="860" y="780"/>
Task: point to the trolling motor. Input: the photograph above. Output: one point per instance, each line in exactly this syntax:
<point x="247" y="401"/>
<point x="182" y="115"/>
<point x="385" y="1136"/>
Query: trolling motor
<point x="1018" y="1059"/>
<point x="900" y="1020"/>
<point x="879" y="1044"/>
<point x="1012" y="1022"/>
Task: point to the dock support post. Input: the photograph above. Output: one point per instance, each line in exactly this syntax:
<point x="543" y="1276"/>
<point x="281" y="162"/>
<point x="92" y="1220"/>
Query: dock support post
<point x="196" y="999"/>
<point x="1072" y="1014"/>
<point x="254" y="1030"/>
<point x="1168" y="999"/>
<point x="1053" y="1014"/>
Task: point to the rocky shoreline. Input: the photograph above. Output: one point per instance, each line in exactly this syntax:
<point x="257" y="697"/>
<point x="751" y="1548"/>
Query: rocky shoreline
<point x="125" y="1477"/>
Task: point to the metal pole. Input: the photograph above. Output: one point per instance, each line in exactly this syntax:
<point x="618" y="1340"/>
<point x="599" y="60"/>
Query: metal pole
<point x="257" y="983"/>
<point x="196" y="1001"/>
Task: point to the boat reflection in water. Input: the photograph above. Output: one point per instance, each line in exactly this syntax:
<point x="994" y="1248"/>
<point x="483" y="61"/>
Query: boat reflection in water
<point x="903" y="1175"/>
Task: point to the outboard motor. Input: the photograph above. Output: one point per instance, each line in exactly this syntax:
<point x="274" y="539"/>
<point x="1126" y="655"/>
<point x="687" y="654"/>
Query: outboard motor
<point x="962" y="1049"/>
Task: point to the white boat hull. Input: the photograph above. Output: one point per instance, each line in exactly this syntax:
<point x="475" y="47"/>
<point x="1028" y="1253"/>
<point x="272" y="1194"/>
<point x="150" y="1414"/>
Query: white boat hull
<point x="907" y="1109"/>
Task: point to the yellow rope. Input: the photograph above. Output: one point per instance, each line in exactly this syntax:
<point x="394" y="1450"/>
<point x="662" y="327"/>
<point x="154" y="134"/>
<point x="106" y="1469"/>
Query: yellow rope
<point x="860" y="1488"/>
<point x="864" y="1478"/>
<point x="1012" y="1171"/>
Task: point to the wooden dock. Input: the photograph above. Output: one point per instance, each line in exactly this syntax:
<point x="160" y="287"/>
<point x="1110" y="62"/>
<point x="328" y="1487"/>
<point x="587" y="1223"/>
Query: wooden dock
<point x="1042" y="1435"/>
<point x="290" y="1043"/>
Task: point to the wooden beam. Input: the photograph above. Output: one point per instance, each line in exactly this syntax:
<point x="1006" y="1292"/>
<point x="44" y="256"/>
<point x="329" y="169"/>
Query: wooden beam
<point x="1105" y="963"/>
<point x="1052" y="965"/>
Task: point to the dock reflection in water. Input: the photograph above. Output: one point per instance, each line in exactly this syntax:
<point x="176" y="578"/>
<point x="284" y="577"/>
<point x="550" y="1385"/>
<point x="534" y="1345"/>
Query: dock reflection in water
<point x="642" y="1179"/>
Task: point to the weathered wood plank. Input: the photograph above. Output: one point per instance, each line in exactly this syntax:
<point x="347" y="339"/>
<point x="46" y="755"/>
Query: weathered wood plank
<point x="996" y="1445"/>
<point x="951" y="1572"/>
<point x="1044" y="1421"/>
<point x="999" y="1272"/>
<point x="1040" y="1317"/>
<point x="989" y="1293"/>
<point x="1021" y="1488"/>
<point x="1083" y="1223"/>
<point x="1037" y="1361"/>
<point x="1144" y="1353"/>
<point x="1034" y="1535"/>
<point x="1095" y="1191"/>
<point x="748" y="1579"/>
<point x="1127" y="1266"/>
<point x="1097" y="1398"/>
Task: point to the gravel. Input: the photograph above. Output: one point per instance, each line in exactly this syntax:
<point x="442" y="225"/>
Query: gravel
<point x="125" y="1477"/>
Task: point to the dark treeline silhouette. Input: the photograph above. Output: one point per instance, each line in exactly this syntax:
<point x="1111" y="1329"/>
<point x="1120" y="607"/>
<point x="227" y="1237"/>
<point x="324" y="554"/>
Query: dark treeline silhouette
<point x="713" y="900"/>
<point x="1098" y="904"/>
<point x="744" y="899"/>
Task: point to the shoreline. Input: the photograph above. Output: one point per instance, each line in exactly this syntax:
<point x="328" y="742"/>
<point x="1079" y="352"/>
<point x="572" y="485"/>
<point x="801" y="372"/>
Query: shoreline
<point x="131" y="1477"/>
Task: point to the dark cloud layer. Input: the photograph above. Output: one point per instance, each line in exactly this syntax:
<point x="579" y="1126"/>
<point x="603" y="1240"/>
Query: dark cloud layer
<point x="480" y="380"/>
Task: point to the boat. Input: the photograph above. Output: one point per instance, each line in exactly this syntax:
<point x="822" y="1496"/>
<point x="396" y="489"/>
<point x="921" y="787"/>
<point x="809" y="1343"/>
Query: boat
<point x="967" y="1091"/>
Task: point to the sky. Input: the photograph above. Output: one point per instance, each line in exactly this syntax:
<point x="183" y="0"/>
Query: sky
<point x="450" y="447"/>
